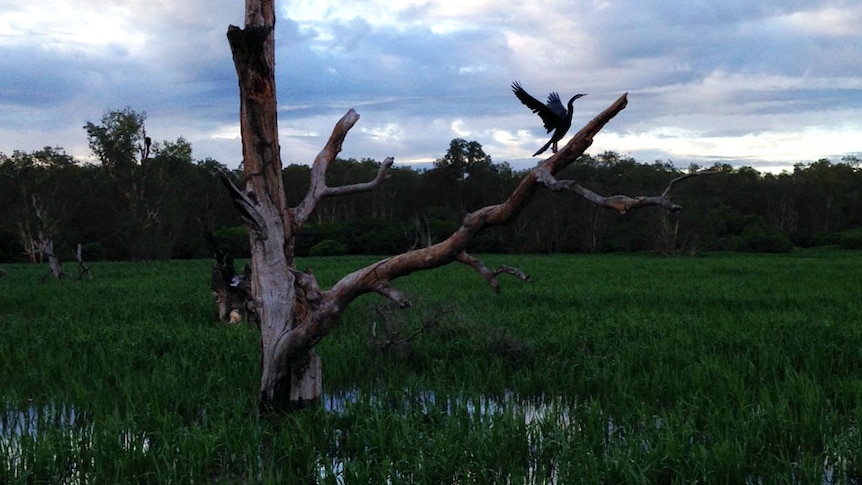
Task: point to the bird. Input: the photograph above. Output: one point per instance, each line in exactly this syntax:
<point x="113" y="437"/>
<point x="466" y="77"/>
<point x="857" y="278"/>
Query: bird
<point x="555" y="117"/>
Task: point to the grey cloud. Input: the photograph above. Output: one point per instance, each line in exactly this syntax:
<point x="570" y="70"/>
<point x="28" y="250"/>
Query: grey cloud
<point x="349" y="34"/>
<point x="718" y="68"/>
<point x="417" y="64"/>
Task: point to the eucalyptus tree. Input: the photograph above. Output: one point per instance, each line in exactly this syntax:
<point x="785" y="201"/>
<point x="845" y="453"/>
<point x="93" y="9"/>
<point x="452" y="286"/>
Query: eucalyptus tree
<point x="153" y="183"/>
<point x="121" y="144"/>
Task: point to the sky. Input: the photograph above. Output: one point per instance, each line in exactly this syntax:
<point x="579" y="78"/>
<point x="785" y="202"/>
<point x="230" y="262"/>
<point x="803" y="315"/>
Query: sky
<point x="765" y="83"/>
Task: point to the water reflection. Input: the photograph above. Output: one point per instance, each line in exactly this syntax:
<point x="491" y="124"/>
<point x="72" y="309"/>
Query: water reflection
<point x="24" y="432"/>
<point x="556" y="413"/>
<point x="427" y="401"/>
<point x="58" y="436"/>
<point x="14" y="423"/>
<point x="64" y="427"/>
<point x="481" y="408"/>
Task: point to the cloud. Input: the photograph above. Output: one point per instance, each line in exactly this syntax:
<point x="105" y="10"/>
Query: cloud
<point x="828" y="21"/>
<point x="735" y="79"/>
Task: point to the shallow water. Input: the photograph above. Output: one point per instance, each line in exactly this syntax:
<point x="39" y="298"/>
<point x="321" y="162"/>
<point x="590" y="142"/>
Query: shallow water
<point x="15" y="422"/>
<point x="22" y="431"/>
<point x="65" y="422"/>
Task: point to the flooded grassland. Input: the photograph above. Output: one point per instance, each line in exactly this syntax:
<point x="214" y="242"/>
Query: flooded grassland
<point x="636" y="369"/>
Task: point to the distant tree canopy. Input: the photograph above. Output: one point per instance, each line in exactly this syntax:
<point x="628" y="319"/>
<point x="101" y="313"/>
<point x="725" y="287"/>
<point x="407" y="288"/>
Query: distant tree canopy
<point x="153" y="200"/>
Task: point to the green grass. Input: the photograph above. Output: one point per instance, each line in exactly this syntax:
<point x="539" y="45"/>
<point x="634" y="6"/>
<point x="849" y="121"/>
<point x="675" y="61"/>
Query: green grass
<point x="725" y="368"/>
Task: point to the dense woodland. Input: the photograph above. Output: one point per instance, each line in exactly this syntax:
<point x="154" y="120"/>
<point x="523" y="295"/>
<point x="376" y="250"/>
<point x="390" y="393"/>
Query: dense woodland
<point x="146" y="200"/>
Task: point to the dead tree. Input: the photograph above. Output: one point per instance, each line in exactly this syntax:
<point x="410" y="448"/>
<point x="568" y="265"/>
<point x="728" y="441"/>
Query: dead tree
<point x="29" y="243"/>
<point x="83" y="269"/>
<point x="43" y="245"/>
<point x="46" y="247"/>
<point x="231" y="292"/>
<point x="294" y="312"/>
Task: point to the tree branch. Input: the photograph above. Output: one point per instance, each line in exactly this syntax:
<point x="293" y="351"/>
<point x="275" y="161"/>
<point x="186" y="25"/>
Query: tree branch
<point x="621" y="203"/>
<point x="246" y="204"/>
<point x="393" y="294"/>
<point x="362" y="187"/>
<point x="670" y="185"/>
<point x="318" y="188"/>
<point x="490" y="276"/>
<point x="393" y="328"/>
<point x="378" y="276"/>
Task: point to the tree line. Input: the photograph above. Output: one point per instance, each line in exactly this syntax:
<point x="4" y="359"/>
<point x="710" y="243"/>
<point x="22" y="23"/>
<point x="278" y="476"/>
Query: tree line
<point x="144" y="200"/>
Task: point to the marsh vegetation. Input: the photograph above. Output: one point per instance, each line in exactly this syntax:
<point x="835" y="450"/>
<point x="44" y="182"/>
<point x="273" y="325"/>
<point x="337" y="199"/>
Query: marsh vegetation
<point x="602" y="369"/>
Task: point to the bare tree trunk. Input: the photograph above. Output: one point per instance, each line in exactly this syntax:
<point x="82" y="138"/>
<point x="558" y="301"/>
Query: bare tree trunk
<point x="46" y="247"/>
<point x="285" y="382"/>
<point x="668" y="232"/>
<point x="83" y="269"/>
<point x="29" y="243"/>
<point x="44" y="244"/>
<point x="294" y="312"/>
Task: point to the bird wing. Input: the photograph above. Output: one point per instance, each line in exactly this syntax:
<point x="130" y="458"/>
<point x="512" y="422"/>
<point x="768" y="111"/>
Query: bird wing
<point x="555" y="105"/>
<point x="550" y="117"/>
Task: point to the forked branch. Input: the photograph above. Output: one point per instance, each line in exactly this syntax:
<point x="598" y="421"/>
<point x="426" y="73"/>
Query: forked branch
<point x="364" y="186"/>
<point x="318" y="188"/>
<point x="491" y="275"/>
<point x="621" y="203"/>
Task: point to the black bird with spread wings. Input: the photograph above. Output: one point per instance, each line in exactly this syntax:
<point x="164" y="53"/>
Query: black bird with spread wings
<point x="555" y="117"/>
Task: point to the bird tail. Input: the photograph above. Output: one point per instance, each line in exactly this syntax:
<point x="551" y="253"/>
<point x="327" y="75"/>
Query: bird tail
<point x="543" y="148"/>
